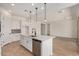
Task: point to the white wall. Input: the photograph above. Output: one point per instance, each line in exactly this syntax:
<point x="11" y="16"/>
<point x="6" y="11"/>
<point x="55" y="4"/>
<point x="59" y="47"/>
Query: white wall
<point x="65" y="25"/>
<point x="64" y="28"/>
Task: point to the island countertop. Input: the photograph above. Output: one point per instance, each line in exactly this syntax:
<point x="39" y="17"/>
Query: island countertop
<point x="44" y="43"/>
<point x="41" y="37"/>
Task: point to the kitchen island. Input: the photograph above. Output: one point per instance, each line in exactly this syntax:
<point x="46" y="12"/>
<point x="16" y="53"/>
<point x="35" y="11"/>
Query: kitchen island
<point x="39" y="46"/>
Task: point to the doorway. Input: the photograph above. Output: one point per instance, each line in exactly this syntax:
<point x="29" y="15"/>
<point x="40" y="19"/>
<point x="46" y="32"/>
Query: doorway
<point x="77" y="41"/>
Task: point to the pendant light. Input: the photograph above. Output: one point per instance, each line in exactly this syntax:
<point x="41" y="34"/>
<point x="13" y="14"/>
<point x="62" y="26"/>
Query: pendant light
<point x="45" y="19"/>
<point x="36" y="13"/>
<point x="30" y="16"/>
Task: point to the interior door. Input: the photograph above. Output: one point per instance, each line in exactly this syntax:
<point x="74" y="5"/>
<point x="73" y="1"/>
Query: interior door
<point x="77" y="41"/>
<point x="27" y="30"/>
<point x="48" y="29"/>
<point x="43" y="29"/>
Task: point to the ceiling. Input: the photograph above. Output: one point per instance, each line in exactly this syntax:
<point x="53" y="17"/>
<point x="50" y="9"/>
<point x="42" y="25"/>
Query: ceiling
<point x="19" y="8"/>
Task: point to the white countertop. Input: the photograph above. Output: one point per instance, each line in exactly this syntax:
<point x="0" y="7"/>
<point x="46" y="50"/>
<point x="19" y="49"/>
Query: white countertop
<point x="41" y="38"/>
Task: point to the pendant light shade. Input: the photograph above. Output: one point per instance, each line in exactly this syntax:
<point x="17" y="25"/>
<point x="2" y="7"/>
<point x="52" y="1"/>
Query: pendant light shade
<point x="36" y="13"/>
<point x="30" y="16"/>
<point x="45" y="19"/>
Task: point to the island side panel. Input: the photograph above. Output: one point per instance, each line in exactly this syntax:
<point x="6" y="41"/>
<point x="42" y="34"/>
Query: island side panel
<point x="47" y="47"/>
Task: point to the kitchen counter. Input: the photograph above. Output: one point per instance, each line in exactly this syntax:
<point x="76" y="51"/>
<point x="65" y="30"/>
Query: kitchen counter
<point x="41" y="44"/>
<point x="41" y="38"/>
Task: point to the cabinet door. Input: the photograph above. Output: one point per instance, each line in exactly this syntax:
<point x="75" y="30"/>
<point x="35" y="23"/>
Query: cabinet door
<point x="29" y="44"/>
<point x="26" y="42"/>
<point x="23" y="41"/>
<point x="48" y="29"/>
<point x="42" y="29"/>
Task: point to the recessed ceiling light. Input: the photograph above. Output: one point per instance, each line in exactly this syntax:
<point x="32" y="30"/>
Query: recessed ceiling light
<point x="32" y="4"/>
<point x="12" y="4"/>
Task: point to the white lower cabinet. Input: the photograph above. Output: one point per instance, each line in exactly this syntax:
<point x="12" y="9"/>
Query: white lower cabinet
<point x="29" y="44"/>
<point x="14" y="37"/>
<point x="8" y="38"/>
<point x="26" y="42"/>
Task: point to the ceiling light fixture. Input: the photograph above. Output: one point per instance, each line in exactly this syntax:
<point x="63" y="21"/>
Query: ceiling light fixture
<point x="26" y="12"/>
<point x="42" y="8"/>
<point x="32" y="4"/>
<point x="36" y="13"/>
<point x="30" y="16"/>
<point x="12" y="4"/>
<point x="45" y="19"/>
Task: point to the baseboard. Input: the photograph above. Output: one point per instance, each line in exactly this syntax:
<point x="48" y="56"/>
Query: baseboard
<point x="66" y="38"/>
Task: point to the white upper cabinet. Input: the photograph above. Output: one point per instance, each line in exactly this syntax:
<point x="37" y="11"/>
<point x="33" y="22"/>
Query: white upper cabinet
<point x="5" y="29"/>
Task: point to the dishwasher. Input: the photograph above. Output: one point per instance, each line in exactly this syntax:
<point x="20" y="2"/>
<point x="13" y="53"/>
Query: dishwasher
<point x="36" y="48"/>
